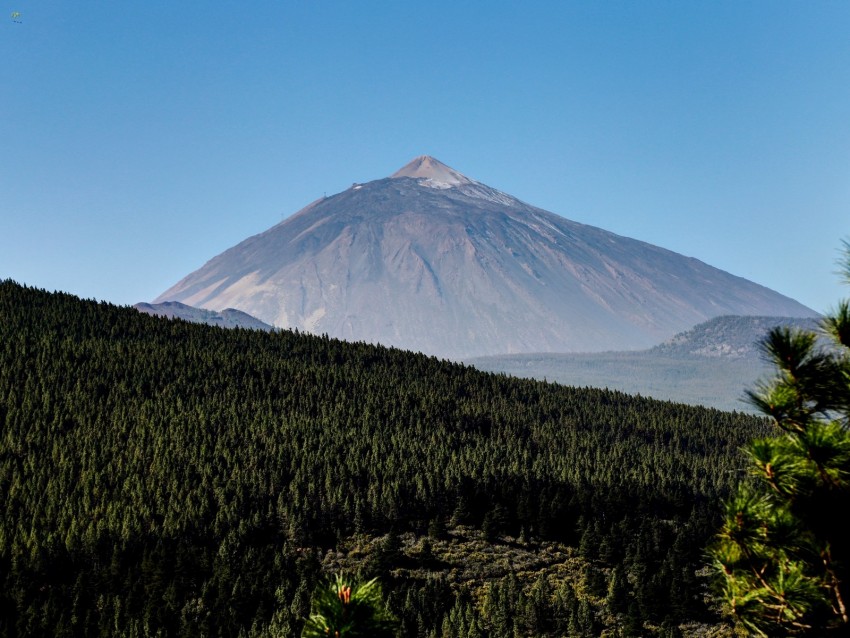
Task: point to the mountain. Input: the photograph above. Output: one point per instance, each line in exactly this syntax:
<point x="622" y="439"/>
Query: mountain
<point x="711" y="364"/>
<point x="227" y="318"/>
<point x="430" y="260"/>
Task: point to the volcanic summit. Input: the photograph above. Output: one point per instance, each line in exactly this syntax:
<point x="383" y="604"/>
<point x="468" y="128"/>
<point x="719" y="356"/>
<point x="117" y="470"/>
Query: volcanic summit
<point x="430" y="260"/>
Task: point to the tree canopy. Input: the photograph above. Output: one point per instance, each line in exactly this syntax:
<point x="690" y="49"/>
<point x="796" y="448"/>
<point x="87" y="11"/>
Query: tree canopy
<point x="160" y="477"/>
<point x="783" y="551"/>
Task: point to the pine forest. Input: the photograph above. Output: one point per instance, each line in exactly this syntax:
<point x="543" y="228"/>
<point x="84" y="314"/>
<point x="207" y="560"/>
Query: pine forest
<point x="162" y="478"/>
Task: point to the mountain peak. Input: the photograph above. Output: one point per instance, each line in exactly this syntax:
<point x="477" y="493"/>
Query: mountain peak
<point x="433" y="170"/>
<point x="436" y="262"/>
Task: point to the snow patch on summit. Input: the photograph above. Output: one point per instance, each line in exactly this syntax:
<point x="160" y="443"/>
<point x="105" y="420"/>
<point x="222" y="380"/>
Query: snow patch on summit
<point x="431" y="172"/>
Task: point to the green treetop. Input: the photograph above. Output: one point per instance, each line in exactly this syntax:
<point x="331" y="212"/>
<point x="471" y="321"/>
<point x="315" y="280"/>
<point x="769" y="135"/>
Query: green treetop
<point x="782" y="552"/>
<point x="343" y="609"/>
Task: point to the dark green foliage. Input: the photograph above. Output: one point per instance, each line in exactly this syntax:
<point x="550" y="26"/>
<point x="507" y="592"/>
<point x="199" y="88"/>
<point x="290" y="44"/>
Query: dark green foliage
<point x="783" y="553"/>
<point x="437" y="529"/>
<point x="387" y="556"/>
<point x="495" y="522"/>
<point x="164" y="477"/>
<point x="344" y="608"/>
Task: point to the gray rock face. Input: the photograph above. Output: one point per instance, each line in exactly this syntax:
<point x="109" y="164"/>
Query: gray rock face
<point x="433" y="261"/>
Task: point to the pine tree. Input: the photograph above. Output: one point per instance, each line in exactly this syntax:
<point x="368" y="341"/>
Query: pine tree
<point x="437" y="529"/>
<point x="782" y="553"/>
<point x="618" y="592"/>
<point x="349" y="610"/>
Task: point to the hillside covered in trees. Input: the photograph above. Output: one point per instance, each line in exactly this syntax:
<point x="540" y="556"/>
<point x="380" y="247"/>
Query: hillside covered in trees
<point x="165" y="478"/>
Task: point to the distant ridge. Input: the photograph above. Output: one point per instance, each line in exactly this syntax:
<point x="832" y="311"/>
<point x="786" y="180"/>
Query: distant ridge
<point x="729" y="337"/>
<point x="712" y="364"/>
<point x="227" y="318"/>
<point x="431" y="260"/>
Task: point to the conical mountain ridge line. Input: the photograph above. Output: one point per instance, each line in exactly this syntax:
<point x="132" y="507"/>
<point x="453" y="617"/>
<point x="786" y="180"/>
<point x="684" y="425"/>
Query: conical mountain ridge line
<point x="433" y="261"/>
<point x="427" y="167"/>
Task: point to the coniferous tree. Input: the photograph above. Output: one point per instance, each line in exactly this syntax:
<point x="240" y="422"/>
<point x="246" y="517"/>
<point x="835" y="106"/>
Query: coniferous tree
<point x="783" y="551"/>
<point x="618" y="592"/>
<point x="437" y="529"/>
<point x="346" y="609"/>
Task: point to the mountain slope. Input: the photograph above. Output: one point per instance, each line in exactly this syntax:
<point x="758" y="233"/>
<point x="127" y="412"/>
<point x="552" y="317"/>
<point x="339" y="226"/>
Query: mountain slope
<point x="431" y="260"/>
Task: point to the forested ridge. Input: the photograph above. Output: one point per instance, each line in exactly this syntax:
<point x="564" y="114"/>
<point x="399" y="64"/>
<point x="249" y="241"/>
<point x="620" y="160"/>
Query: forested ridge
<point x="165" y="478"/>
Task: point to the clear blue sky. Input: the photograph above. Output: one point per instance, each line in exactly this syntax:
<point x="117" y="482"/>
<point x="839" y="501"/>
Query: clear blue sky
<point x="140" y="139"/>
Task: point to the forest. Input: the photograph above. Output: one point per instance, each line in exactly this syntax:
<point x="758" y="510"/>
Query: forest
<point x="162" y="478"/>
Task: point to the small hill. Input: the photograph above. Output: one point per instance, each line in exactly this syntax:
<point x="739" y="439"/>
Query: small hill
<point x="227" y="318"/>
<point x="728" y="337"/>
<point x="712" y="364"/>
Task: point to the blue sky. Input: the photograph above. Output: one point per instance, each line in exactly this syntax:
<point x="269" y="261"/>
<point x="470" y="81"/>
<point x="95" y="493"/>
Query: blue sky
<point x="138" y="140"/>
